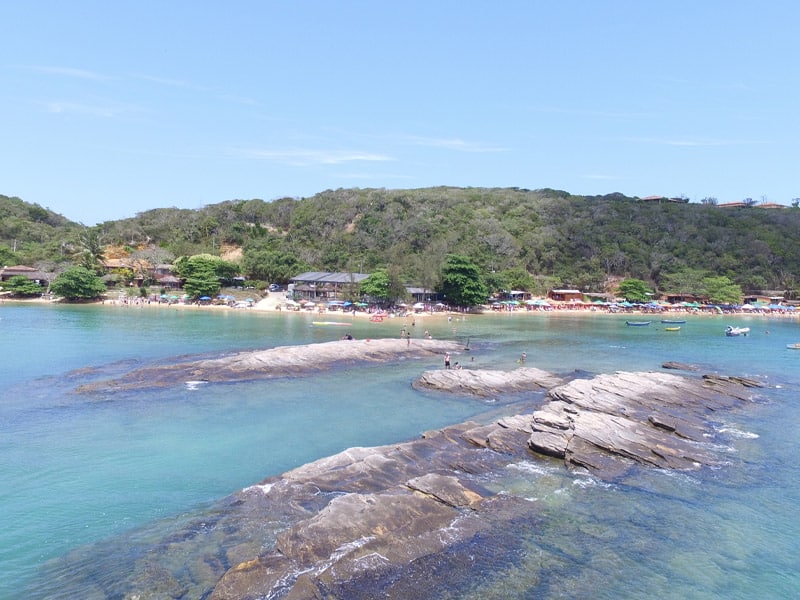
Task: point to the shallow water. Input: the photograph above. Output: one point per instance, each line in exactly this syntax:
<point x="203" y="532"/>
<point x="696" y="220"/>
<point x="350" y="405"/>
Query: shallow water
<point x="77" y="469"/>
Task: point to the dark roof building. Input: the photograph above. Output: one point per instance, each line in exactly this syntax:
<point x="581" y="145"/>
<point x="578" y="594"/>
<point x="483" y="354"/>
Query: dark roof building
<point x="320" y="284"/>
<point x="7" y="273"/>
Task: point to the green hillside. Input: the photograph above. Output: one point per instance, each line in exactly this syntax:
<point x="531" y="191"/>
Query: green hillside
<point x="557" y="238"/>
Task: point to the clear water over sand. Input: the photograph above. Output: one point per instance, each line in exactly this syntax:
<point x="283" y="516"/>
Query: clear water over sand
<point x="76" y="469"/>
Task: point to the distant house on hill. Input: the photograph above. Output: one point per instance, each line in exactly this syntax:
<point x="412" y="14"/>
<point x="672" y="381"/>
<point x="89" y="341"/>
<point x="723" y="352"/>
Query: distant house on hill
<point x="751" y="204"/>
<point x="660" y="199"/>
<point x="7" y="273"/>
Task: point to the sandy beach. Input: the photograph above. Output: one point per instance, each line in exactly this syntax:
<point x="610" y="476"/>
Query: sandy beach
<point x="277" y="303"/>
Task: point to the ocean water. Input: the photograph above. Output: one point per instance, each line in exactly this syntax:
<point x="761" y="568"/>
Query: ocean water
<point x="80" y="469"/>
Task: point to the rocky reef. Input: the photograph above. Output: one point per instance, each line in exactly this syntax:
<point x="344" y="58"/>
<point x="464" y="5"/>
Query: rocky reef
<point x="610" y="422"/>
<point x="486" y="383"/>
<point x="282" y="361"/>
<point x="408" y="519"/>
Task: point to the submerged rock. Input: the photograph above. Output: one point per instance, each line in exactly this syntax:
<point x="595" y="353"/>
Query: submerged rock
<point x="274" y="362"/>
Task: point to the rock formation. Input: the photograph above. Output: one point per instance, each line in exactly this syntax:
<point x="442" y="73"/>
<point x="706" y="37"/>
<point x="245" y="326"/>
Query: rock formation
<point x="408" y="520"/>
<point x="275" y="362"/>
<point x="486" y="383"/>
<point x="610" y="422"/>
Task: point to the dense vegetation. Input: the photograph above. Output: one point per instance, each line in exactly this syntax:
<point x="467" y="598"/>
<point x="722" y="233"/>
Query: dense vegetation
<point x="518" y="238"/>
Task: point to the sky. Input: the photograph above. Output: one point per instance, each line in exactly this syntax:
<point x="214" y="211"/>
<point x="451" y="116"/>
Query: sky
<point x="109" y="109"/>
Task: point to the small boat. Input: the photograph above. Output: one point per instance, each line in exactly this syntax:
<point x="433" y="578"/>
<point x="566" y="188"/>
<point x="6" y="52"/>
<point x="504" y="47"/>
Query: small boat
<point x="673" y="321"/>
<point x="793" y="346"/>
<point x="731" y="331"/>
<point x="676" y="328"/>
<point x="321" y="323"/>
<point x="637" y="323"/>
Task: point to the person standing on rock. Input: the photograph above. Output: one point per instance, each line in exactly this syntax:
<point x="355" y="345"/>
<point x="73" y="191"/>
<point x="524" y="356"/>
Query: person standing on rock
<point x="447" y="360"/>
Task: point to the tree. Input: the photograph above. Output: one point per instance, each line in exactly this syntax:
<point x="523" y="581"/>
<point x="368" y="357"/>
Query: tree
<point x="274" y="266"/>
<point x="684" y="282"/>
<point x="199" y="274"/>
<point x="634" y="290"/>
<point x="19" y="285"/>
<point x="721" y="290"/>
<point x="462" y="284"/>
<point x="376" y="285"/>
<point x="92" y="255"/>
<point x="78" y="283"/>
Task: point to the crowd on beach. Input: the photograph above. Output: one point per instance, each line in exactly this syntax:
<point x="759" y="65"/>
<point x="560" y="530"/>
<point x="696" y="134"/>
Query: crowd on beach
<point x="278" y="302"/>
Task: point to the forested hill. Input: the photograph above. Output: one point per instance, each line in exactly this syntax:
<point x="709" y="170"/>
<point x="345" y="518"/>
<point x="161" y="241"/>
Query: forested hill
<point x="557" y="237"/>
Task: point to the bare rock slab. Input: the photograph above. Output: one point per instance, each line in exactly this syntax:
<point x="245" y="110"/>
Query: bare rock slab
<point x="610" y="422"/>
<point x="282" y="361"/>
<point x="486" y="383"/>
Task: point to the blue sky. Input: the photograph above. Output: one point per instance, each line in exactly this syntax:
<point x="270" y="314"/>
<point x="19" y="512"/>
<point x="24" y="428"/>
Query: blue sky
<point x="108" y="109"/>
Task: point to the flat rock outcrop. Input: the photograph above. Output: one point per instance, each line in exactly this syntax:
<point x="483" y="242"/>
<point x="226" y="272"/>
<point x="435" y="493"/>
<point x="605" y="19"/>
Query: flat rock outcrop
<point x="486" y="383"/>
<point x="275" y="362"/>
<point x="610" y="422"/>
<point x="417" y="519"/>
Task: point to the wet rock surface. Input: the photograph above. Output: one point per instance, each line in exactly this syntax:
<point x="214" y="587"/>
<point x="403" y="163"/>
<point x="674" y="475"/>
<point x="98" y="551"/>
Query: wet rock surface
<point x="407" y="520"/>
<point x="486" y="383"/>
<point x="275" y="362"/>
<point x="611" y="422"/>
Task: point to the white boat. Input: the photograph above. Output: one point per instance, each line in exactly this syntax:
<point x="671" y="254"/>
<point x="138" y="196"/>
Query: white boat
<point x="734" y="331"/>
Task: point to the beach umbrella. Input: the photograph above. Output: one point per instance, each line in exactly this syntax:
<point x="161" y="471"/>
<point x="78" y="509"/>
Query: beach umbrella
<point x="205" y="298"/>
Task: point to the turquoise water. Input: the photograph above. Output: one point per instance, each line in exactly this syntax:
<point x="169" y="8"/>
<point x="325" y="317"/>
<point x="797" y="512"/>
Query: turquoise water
<point x="77" y="469"/>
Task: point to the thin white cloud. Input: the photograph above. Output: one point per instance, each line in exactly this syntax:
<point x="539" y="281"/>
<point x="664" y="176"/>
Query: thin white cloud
<point x="601" y="177"/>
<point x="305" y="157"/>
<point x="588" y="112"/>
<point x="67" y="72"/>
<point x="94" y="110"/>
<point x="372" y="176"/>
<point x="456" y="144"/>
<point x="690" y="142"/>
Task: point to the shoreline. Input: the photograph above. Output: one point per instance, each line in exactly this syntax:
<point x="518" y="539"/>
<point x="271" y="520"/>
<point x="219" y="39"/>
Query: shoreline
<point x="270" y="305"/>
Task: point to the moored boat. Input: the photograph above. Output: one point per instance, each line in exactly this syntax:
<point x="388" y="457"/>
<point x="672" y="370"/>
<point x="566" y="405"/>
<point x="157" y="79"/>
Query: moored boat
<point x="675" y="328"/>
<point x="673" y="321"/>
<point x="793" y="346"/>
<point x="637" y="323"/>
<point x="731" y="331"/>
